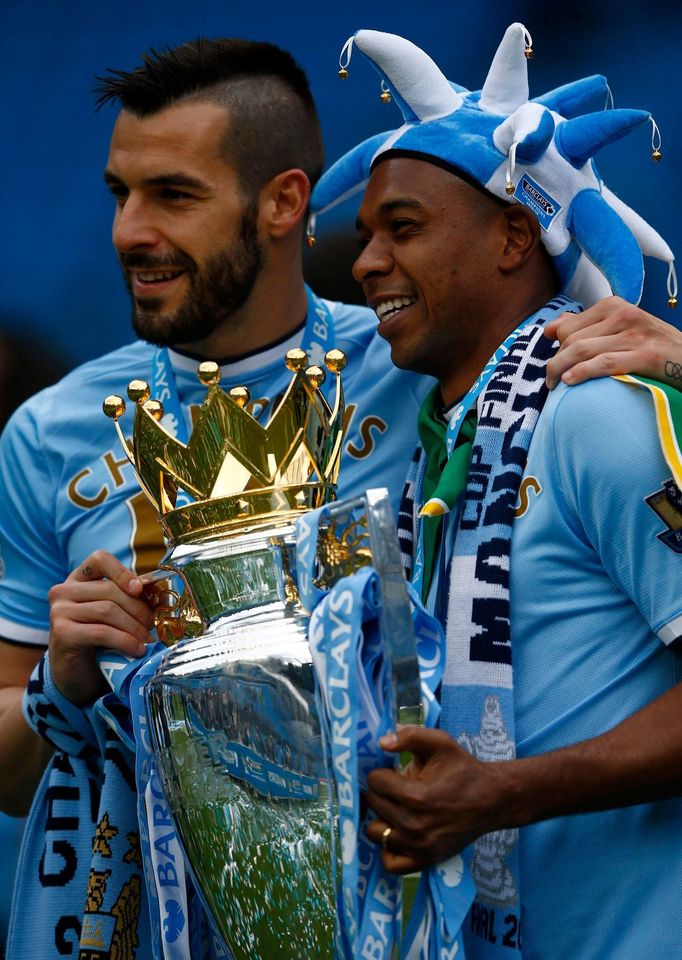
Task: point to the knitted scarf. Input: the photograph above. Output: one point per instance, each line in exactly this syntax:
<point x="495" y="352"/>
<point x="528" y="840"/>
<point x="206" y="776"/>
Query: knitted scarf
<point x="80" y="887"/>
<point x="89" y="835"/>
<point x="473" y="598"/>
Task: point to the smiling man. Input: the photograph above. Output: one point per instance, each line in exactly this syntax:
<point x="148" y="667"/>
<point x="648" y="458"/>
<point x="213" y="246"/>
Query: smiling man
<point x="169" y="177"/>
<point x="429" y="269"/>
<point x="545" y="527"/>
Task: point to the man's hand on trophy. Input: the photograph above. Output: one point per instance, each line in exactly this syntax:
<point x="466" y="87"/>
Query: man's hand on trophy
<point x="99" y="605"/>
<point x="434" y="807"/>
<point x="614" y="337"/>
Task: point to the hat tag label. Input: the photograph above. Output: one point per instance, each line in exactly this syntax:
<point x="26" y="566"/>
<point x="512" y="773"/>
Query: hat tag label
<point x="530" y="193"/>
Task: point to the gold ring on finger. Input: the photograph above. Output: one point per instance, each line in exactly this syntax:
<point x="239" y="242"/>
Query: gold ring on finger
<point x="384" y="837"/>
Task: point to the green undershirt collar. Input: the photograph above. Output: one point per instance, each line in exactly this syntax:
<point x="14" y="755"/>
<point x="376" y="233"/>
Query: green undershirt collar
<point x="444" y="479"/>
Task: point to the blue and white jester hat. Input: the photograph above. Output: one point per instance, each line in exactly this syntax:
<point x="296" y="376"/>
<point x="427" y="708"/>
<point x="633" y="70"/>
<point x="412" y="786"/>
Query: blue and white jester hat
<point x="538" y="152"/>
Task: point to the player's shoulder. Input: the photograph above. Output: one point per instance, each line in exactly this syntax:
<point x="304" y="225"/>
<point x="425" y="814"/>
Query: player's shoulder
<point x="603" y="424"/>
<point x="353" y="324"/>
<point x="355" y="331"/>
<point x="596" y="403"/>
<point x="82" y="390"/>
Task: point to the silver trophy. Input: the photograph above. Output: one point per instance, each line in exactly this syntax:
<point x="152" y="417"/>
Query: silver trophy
<point x="234" y="717"/>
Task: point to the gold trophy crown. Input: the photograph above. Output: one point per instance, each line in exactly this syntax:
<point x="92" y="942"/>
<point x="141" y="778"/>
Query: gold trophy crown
<point x="235" y="472"/>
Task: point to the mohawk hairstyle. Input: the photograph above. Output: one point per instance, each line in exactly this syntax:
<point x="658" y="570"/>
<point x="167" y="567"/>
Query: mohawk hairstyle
<point x="273" y="124"/>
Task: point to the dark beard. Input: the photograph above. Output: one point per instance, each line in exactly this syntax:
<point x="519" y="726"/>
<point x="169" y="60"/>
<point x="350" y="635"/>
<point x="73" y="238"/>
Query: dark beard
<point x="216" y="291"/>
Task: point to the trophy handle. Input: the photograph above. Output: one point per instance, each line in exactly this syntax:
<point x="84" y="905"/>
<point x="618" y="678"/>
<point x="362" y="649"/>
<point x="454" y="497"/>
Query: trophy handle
<point x="175" y="614"/>
<point x="395" y="618"/>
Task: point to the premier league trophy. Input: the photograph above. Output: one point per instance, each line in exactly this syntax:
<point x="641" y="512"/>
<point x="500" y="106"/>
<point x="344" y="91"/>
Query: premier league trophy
<point x="235" y="721"/>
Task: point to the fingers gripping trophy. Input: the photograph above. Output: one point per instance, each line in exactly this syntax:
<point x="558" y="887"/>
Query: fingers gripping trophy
<point x="238" y="729"/>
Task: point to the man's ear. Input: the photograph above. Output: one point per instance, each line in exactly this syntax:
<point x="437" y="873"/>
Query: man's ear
<point x="283" y="202"/>
<point x="521" y="236"/>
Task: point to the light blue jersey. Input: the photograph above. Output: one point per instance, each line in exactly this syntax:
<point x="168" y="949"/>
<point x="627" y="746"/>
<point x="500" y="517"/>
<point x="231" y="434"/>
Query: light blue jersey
<point x="67" y="489"/>
<point x="596" y="608"/>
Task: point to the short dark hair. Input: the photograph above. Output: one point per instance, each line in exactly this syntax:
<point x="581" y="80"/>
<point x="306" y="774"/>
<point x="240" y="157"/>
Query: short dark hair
<point x="273" y="121"/>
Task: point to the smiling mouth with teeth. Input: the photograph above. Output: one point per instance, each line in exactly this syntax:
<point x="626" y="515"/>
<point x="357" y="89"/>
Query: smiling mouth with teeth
<point x="155" y="276"/>
<point x="387" y="308"/>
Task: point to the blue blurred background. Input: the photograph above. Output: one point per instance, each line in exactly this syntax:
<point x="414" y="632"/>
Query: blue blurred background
<point x="61" y="283"/>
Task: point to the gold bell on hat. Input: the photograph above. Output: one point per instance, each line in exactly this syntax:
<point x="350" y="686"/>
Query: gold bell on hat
<point x="528" y="50"/>
<point x="385" y="95"/>
<point x="344" y="58"/>
<point x="509" y="189"/>
<point x="310" y="231"/>
<point x="672" y="284"/>
<point x="655" y="141"/>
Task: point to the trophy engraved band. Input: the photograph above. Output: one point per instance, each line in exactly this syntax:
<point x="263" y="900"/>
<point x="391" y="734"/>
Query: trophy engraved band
<point x="234" y="714"/>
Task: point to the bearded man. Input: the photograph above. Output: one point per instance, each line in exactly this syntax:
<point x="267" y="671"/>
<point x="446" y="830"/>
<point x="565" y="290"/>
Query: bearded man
<point x="210" y="166"/>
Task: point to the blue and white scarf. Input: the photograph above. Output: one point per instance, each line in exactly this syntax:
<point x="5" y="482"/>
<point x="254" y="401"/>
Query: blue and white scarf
<point x="101" y="862"/>
<point x="80" y="888"/>
<point x="477" y="697"/>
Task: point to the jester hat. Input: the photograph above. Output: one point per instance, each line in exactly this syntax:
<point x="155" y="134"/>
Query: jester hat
<point x="537" y="152"/>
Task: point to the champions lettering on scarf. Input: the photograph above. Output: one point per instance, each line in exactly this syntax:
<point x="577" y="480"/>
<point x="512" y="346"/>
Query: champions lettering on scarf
<point x="85" y="831"/>
<point x="58" y="864"/>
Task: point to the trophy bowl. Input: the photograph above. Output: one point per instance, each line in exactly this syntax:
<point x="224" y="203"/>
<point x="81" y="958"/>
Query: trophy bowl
<point x="237" y="736"/>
